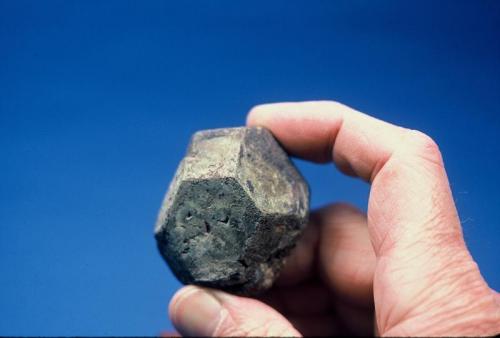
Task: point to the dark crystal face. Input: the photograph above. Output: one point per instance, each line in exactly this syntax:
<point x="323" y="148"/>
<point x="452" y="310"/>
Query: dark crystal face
<point x="211" y="220"/>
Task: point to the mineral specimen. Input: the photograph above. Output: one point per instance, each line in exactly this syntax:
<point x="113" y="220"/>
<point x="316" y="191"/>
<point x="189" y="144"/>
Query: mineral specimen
<point x="233" y="211"/>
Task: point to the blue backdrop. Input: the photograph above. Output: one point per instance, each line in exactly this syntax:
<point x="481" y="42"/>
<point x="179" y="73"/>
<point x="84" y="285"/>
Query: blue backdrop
<point x="98" y="100"/>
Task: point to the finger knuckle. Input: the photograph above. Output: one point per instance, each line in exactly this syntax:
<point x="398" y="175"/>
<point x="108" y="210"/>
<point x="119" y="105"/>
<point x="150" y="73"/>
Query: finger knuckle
<point x="228" y="327"/>
<point x="422" y="139"/>
<point x="333" y="105"/>
<point x="233" y="325"/>
<point x="423" y="146"/>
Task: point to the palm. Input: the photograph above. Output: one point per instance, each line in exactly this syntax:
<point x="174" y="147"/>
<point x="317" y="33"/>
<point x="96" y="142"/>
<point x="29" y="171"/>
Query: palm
<point x="326" y="286"/>
<point x="408" y="259"/>
<point x="316" y="310"/>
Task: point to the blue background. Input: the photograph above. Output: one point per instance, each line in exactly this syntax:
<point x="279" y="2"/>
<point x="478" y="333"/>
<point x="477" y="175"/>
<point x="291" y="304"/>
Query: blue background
<point x="98" y="100"/>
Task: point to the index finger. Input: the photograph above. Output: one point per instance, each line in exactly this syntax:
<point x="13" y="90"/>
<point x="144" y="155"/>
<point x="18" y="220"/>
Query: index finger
<point x="323" y="131"/>
<point x="412" y="220"/>
<point x="409" y="183"/>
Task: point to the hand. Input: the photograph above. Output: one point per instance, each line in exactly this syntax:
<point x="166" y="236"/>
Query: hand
<point x="403" y="269"/>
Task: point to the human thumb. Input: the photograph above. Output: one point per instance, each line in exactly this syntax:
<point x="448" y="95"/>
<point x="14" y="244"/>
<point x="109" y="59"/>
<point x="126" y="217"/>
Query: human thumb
<point x="426" y="282"/>
<point x="197" y="311"/>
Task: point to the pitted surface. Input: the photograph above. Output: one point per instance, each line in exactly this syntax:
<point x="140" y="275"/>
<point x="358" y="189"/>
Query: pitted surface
<point x="234" y="210"/>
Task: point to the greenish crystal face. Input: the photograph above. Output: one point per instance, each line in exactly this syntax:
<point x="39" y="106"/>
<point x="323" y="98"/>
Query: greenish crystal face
<point x="234" y="210"/>
<point x="215" y="217"/>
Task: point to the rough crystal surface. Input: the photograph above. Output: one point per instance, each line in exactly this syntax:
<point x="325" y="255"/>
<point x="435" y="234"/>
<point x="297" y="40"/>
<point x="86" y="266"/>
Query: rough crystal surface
<point x="233" y="211"/>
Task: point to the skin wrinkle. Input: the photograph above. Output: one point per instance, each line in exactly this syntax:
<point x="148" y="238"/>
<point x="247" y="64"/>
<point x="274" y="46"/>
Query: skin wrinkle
<point x="225" y="316"/>
<point x="401" y="164"/>
<point x="458" y="321"/>
<point x="237" y="323"/>
<point x="379" y="166"/>
<point x="425" y="282"/>
<point x="332" y="136"/>
<point x="174" y="307"/>
<point x="348" y="164"/>
<point x="434" y="218"/>
<point x="447" y="279"/>
<point x="399" y="274"/>
<point x="423" y="223"/>
<point x="380" y="220"/>
<point x="438" y="240"/>
<point x="228" y="325"/>
<point x="367" y="149"/>
<point x="381" y="314"/>
<point x="386" y="317"/>
<point x="366" y="172"/>
<point x="375" y="236"/>
<point x="426" y="148"/>
<point x="269" y="328"/>
<point x="456" y="310"/>
<point x="422" y="296"/>
<point x="436" y="203"/>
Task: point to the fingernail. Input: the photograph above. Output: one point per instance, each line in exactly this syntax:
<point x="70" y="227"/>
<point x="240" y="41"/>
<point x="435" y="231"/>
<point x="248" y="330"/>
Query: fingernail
<point x="197" y="313"/>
